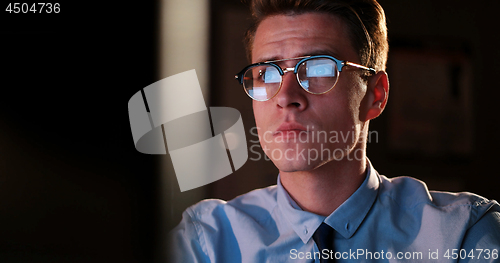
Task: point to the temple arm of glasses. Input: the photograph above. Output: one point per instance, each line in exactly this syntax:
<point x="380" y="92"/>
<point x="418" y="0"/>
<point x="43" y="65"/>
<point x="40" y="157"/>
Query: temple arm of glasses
<point x="360" y="66"/>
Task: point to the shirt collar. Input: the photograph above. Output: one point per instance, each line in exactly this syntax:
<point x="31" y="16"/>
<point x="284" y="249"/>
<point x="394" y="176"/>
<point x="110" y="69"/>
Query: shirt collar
<point x="348" y="216"/>
<point x="345" y="219"/>
<point x="303" y="223"/>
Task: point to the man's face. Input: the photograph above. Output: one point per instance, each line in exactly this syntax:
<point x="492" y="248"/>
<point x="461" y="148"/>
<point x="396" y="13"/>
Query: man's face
<point x="301" y="131"/>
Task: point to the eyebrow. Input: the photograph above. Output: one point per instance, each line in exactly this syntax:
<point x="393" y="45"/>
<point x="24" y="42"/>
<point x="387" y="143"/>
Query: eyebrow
<point x="312" y="53"/>
<point x="324" y="52"/>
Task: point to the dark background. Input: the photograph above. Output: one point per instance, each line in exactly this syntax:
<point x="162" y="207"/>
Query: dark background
<point x="72" y="186"/>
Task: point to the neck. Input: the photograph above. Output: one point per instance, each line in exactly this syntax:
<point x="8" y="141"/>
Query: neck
<point x="323" y="189"/>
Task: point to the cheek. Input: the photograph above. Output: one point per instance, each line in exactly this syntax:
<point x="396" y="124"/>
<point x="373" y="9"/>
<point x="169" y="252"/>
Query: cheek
<point x="260" y="118"/>
<point x="257" y="113"/>
<point x="356" y="95"/>
<point x="343" y="110"/>
<point x="343" y="103"/>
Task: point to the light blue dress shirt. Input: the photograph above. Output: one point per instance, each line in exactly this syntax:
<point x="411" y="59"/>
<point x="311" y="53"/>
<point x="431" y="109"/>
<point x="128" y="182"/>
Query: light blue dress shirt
<point x="385" y="220"/>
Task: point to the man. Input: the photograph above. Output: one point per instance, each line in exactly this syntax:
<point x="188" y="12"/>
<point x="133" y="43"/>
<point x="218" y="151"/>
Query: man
<point x="316" y="81"/>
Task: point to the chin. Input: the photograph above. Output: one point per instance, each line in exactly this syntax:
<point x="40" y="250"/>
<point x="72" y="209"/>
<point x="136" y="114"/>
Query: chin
<point x="299" y="157"/>
<point x="295" y="160"/>
<point x="290" y="168"/>
<point x="296" y="166"/>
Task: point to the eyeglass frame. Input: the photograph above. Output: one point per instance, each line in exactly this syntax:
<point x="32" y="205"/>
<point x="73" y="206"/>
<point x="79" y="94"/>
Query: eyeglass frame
<point x="339" y="63"/>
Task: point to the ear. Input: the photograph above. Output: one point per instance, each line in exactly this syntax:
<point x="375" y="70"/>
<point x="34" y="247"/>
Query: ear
<point x="376" y="96"/>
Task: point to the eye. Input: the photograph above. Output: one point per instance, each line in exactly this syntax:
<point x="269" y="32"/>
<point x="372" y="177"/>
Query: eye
<point x="270" y="75"/>
<point x="320" y="68"/>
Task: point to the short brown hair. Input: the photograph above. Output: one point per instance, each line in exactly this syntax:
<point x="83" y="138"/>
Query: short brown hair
<point x="364" y="18"/>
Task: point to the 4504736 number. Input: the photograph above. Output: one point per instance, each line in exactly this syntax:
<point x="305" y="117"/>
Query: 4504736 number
<point x="473" y="253"/>
<point x="36" y="8"/>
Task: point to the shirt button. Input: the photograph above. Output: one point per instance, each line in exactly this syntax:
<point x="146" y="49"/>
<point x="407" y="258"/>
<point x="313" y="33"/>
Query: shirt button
<point x="305" y="231"/>
<point x="347" y="226"/>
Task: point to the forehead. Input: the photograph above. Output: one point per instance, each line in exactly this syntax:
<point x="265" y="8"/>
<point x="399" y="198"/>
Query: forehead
<point x="286" y="36"/>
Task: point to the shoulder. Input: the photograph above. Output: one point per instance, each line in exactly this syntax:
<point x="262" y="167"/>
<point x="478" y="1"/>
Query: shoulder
<point x="410" y="194"/>
<point x="207" y="223"/>
<point x="257" y="205"/>
<point x="260" y="199"/>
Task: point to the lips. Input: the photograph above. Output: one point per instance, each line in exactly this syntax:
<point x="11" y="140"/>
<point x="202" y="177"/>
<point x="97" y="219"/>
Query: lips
<point x="289" y="127"/>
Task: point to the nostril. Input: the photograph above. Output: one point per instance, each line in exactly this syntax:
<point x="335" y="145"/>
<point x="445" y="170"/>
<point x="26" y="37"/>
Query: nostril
<point x="296" y="104"/>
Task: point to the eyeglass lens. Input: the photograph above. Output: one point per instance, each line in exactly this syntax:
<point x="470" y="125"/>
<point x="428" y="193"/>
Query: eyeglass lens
<point x="317" y="76"/>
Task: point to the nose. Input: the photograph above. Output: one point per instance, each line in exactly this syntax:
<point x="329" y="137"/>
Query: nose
<point x="291" y="94"/>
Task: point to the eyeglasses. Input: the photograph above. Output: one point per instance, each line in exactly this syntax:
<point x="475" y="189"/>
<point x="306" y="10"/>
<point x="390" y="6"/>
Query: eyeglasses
<point x="315" y="74"/>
